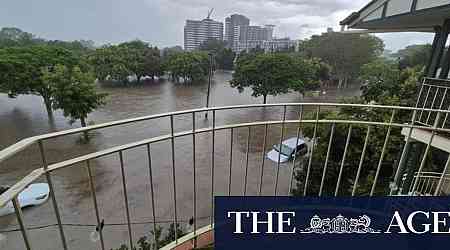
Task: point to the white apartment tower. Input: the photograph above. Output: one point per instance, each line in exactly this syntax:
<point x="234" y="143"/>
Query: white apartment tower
<point x="197" y="32"/>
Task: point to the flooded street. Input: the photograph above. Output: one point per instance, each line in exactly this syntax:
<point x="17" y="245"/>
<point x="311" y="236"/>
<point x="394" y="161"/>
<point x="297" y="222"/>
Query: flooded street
<point x="26" y="116"/>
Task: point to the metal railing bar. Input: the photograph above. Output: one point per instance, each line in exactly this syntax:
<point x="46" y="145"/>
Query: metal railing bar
<point x="441" y="180"/>
<point x="152" y="193"/>
<point x="361" y="161"/>
<point x="125" y="194"/>
<point x="213" y="131"/>
<point x="432" y="105"/>
<point x="443" y="98"/>
<point x="295" y="152"/>
<point x="341" y="170"/>
<point x="383" y="151"/>
<point x="23" y="228"/>
<point x="194" y="175"/>
<point x="422" y="164"/>
<point x="174" y="181"/>
<point x="325" y="165"/>
<point x="21" y="145"/>
<point x="124" y="147"/>
<point x="94" y="200"/>
<point x="231" y="160"/>
<point x="52" y="194"/>
<point x="246" y="160"/>
<point x="404" y="151"/>
<point x="420" y="93"/>
<point x="7" y="196"/>
<point x="279" y="154"/>
<point x="446" y="117"/>
<point x="266" y="127"/>
<point x="425" y="103"/>
<point x="314" y="141"/>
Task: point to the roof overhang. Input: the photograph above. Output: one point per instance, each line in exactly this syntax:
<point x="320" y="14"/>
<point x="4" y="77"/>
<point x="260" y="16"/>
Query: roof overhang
<point x="380" y="16"/>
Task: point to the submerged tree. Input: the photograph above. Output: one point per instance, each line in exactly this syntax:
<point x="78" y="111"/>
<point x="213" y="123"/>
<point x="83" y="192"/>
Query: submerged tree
<point x="21" y="70"/>
<point x="189" y="66"/>
<point x="74" y="92"/>
<point x="273" y="74"/>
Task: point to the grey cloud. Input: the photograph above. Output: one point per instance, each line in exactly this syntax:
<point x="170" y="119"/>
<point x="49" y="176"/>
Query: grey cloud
<point x="160" y="22"/>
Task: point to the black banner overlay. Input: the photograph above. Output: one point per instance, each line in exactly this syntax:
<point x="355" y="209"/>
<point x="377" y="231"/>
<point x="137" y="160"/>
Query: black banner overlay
<point x="381" y="223"/>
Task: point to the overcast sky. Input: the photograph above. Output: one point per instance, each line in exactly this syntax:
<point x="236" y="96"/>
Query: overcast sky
<point x="161" y="22"/>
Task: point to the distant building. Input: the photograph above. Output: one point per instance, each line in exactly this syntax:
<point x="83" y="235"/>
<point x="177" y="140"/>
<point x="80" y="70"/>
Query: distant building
<point x="273" y="45"/>
<point x="232" y="23"/>
<point x="247" y="37"/>
<point x="197" y="32"/>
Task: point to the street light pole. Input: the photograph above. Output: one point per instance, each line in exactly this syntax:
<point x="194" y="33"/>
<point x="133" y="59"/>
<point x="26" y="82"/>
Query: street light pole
<point x="209" y="81"/>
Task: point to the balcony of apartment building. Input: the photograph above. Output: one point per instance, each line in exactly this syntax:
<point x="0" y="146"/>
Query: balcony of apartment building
<point x="221" y="158"/>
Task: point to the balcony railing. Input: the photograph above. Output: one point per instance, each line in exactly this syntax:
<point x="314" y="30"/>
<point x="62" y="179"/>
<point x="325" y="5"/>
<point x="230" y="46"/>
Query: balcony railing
<point x="428" y="184"/>
<point x="435" y="95"/>
<point x="258" y="177"/>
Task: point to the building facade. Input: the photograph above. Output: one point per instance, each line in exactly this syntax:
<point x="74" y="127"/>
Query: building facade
<point x="232" y="23"/>
<point x="274" y="45"/>
<point x="249" y="37"/>
<point x="197" y="32"/>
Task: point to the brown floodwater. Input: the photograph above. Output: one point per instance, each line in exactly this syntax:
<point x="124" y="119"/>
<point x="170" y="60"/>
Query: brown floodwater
<point x="25" y="116"/>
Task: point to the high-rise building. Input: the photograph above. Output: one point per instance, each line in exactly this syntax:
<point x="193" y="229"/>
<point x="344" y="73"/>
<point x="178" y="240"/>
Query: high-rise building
<point x="197" y="32"/>
<point x="249" y="37"/>
<point x="231" y="24"/>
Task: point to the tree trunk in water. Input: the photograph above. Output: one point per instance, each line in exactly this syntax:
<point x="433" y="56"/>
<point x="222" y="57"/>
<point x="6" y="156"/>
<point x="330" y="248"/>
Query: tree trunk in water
<point x="340" y="83"/>
<point x="83" y="124"/>
<point x="265" y="99"/>
<point x="48" y="106"/>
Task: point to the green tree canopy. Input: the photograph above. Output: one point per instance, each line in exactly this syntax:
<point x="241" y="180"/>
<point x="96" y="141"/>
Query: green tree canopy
<point x="414" y="55"/>
<point x="129" y="58"/>
<point x="189" y="66"/>
<point x="274" y="74"/>
<point x="21" y="69"/>
<point x="74" y="92"/>
<point x="385" y="83"/>
<point x="345" y="53"/>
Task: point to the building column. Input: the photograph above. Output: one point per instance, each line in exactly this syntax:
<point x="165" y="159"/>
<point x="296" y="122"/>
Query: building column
<point x="439" y="42"/>
<point x="445" y="69"/>
<point x="411" y="165"/>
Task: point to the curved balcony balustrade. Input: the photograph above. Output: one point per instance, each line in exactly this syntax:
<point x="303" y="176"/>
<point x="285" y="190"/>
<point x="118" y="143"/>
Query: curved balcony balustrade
<point x="205" y="157"/>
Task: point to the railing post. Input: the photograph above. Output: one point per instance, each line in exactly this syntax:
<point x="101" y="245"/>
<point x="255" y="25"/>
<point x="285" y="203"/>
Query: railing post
<point x="325" y="165"/>
<point x="94" y="199"/>
<point x="174" y="180"/>
<point x="425" y="155"/>
<point x="404" y="155"/>
<point x="349" y="135"/>
<point x="212" y="164"/>
<point x="246" y="160"/>
<point x="361" y="161"/>
<point x="280" y="149"/>
<point x="231" y="160"/>
<point x="295" y="152"/>
<point x="125" y="194"/>
<point x="52" y="194"/>
<point x="266" y="127"/>
<point x="23" y="228"/>
<point x="194" y="168"/>
<point x="152" y="194"/>
<point x="308" y="172"/>
<point x="383" y="151"/>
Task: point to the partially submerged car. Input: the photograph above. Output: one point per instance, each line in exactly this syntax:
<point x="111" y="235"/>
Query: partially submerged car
<point x="288" y="149"/>
<point x="33" y="195"/>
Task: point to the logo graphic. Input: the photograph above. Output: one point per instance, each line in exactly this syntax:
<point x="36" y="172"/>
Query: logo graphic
<point x="340" y="225"/>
